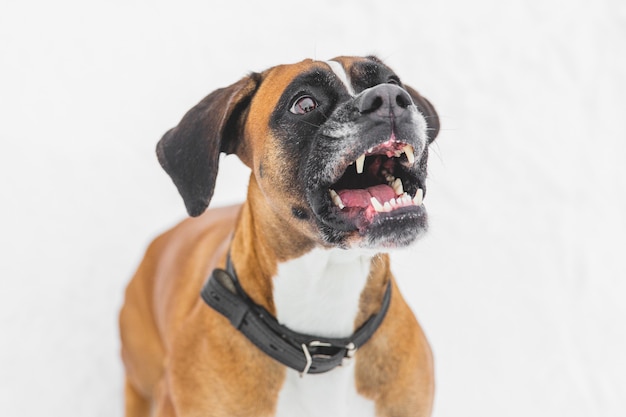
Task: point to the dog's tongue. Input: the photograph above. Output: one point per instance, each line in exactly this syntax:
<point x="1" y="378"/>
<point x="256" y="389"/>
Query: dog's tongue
<point x="361" y="197"/>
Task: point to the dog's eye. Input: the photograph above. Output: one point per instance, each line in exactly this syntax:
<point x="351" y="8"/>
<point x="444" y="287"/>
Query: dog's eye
<point x="303" y="105"/>
<point x="393" y="80"/>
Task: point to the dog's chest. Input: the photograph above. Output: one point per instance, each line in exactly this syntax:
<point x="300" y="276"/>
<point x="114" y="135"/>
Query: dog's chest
<point x="319" y="294"/>
<point x="332" y="394"/>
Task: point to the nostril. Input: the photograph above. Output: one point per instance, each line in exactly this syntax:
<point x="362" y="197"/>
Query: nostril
<point x="371" y="102"/>
<point x="384" y="99"/>
<point x="374" y="104"/>
<point x="403" y="100"/>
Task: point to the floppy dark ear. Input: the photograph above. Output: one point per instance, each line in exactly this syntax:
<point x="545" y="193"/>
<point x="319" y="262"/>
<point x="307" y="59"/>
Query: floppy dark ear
<point x="427" y="109"/>
<point x="190" y="152"/>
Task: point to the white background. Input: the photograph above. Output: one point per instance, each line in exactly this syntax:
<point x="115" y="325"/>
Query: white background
<point x="520" y="284"/>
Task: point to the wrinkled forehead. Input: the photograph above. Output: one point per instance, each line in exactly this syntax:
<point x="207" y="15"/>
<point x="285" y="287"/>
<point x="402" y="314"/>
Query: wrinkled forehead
<point x="358" y="74"/>
<point x="346" y="75"/>
<point x="351" y="74"/>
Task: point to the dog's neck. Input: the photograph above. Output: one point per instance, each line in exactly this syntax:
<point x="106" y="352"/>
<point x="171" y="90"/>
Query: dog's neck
<point x="314" y="290"/>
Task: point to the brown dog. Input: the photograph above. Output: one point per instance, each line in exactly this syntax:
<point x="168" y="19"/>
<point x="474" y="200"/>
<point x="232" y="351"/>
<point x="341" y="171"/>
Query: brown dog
<point x="304" y="317"/>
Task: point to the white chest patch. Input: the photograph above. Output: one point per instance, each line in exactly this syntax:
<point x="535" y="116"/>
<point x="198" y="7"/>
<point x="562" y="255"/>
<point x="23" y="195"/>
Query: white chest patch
<point x="319" y="294"/>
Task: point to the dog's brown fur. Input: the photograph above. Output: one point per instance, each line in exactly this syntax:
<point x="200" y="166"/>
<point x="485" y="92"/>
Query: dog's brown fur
<point x="184" y="359"/>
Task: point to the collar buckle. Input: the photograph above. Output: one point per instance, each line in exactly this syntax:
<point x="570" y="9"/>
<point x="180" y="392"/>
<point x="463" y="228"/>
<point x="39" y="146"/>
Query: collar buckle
<point x="309" y="357"/>
<point x="350" y="349"/>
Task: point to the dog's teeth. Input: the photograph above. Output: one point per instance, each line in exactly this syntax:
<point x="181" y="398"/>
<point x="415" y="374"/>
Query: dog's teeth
<point x="359" y="164"/>
<point x="387" y="206"/>
<point x="410" y="154"/>
<point x="393" y="202"/>
<point x="376" y="204"/>
<point x="336" y="199"/>
<point x="397" y="186"/>
<point x="406" y="198"/>
<point x="390" y="178"/>
<point x="419" y="197"/>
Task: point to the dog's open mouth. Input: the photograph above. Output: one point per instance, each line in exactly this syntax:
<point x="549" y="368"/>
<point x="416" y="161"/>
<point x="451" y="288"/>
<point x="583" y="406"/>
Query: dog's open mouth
<point x="381" y="183"/>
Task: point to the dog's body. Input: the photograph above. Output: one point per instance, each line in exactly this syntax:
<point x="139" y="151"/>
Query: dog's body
<point x="306" y="254"/>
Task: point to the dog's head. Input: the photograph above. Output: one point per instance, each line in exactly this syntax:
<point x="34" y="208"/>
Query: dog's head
<point x="338" y="148"/>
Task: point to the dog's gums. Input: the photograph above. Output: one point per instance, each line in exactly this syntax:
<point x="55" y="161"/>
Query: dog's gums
<point x="381" y="183"/>
<point x="387" y="196"/>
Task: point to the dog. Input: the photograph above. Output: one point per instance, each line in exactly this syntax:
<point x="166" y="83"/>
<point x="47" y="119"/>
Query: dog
<point x="285" y="305"/>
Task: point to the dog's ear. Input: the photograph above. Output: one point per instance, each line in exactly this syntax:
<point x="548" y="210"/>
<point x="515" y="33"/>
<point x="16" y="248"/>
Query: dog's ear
<point x="190" y="152"/>
<point x="427" y="109"/>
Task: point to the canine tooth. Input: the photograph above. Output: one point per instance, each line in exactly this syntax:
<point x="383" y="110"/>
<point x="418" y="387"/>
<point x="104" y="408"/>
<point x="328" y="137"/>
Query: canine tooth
<point x="397" y="186"/>
<point x="419" y="197"/>
<point x="336" y="199"/>
<point x="410" y="155"/>
<point x="387" y="206"/>
<point x="376" y="204"/>
<point x="360" y="161"/>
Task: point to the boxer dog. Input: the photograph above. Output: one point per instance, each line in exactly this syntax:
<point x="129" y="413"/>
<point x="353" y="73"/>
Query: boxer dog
<point x="285" y="305"/>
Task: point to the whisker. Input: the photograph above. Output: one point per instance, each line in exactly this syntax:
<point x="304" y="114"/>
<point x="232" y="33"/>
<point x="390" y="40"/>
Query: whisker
<point x="313" y="124"/>
<point x="323" y="114"/>
<point x="437" y="151"/>
<point x="309" y="123"/>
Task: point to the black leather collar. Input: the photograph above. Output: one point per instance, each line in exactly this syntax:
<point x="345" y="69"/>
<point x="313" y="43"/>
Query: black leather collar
<point x="302" y="352"/>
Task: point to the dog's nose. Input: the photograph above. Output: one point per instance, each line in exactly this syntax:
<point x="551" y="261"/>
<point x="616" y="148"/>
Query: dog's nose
<point x="384" y="100"/>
